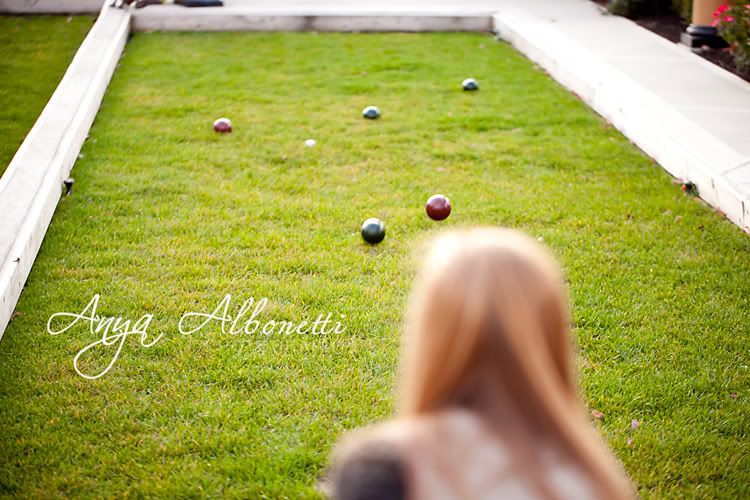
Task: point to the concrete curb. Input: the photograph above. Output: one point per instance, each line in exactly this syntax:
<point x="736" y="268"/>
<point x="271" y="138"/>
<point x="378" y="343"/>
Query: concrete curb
<point x="259" y="18"/>
<point x="32" y="185"/>
<point x="680" y="145"/>
<point x="175" y="18"/>
<point x="50" y="6"/>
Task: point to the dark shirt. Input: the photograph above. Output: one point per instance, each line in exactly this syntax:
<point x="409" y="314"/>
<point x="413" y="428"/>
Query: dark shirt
<point x="373" y="472"/>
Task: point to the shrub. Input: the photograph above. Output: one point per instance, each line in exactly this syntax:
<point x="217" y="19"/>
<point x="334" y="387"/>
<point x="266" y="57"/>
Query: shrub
<point x="684" y="8"/>
<point x="635" y="8"/>
<point x="732" y="19"/>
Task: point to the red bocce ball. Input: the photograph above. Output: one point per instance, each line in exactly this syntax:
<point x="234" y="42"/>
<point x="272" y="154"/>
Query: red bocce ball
<point x="438" y="207"/>
<point x="223" y="126"/>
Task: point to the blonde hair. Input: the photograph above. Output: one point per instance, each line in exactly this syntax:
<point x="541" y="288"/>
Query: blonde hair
<point x="488" y="330"/>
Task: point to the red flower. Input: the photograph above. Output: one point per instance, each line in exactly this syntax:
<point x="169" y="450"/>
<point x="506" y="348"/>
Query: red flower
<point x="728" y="19"/>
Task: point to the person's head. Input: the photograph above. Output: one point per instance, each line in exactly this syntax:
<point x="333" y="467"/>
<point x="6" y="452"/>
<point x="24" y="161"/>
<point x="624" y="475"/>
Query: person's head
<point x="488" y="330"/>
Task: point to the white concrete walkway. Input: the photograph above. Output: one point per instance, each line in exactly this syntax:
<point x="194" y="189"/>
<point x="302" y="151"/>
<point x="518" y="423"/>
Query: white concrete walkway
<point x="689" y="115"/>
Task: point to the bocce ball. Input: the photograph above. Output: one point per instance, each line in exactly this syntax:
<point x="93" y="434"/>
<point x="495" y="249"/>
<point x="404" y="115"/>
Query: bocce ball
<point x="438" y="207"/>
<point x="371" y="112"/>
<point x="373" y="230"/>
<point x="310" y="143"/>
<point x="470" y="84"/>
<point x="223" y="126"/>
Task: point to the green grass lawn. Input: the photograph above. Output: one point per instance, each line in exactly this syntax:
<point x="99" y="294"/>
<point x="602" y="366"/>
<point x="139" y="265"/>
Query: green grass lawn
<point x="34" y="54"/>
<point x="167" y="217"/>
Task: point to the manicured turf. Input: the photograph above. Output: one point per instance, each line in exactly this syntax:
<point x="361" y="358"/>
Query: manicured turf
<point x="34" y="54"/>
<point x="167" y="217"/>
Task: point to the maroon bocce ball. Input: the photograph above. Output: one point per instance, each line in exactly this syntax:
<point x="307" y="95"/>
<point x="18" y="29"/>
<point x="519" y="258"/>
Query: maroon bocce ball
<point x="223" y="126"/>
<point x="438" y="207"/>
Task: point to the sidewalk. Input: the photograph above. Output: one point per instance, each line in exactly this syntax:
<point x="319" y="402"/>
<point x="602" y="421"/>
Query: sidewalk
<point x="692" y="117"/>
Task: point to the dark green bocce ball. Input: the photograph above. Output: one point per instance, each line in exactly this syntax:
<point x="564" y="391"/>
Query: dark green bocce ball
<point x="373" y="231"/>
<point x="470" y="84"/>
<point x="371" y="112"/>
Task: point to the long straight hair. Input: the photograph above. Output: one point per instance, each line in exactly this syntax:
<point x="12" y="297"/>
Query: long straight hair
<point x="488" y="330"/>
